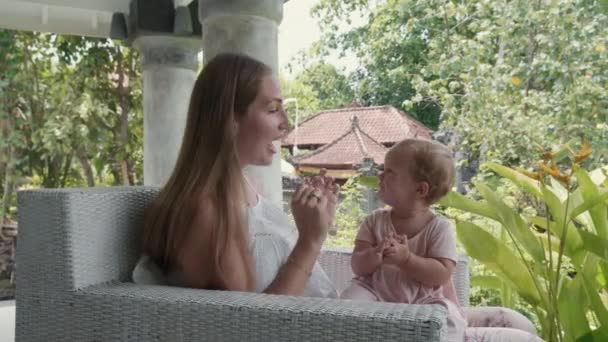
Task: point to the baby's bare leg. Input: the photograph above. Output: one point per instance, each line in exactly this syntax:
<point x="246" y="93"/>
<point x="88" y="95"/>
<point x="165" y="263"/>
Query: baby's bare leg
<point x="359" y="292"/>
<point x="489" y="316"/>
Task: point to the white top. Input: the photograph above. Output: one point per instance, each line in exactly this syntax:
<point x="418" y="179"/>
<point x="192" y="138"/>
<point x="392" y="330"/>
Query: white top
<point x="272" y="237"/>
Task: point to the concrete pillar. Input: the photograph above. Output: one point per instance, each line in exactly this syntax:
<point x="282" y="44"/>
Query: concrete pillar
<point x="248" y="27"/>
<point x="170" y="66"/>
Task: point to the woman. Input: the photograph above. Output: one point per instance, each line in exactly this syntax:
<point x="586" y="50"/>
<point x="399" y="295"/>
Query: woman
<point x="208" y="228"/>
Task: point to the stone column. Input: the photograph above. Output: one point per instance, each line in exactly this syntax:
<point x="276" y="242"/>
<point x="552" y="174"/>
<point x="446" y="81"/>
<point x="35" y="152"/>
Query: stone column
<point x="248" y="27"/>
<point x="170" y="66"/>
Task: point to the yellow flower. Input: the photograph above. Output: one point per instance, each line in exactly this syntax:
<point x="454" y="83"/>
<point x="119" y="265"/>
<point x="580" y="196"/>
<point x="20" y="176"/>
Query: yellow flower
<point x="554" y="172"/>
<point x="583" y="153"/>
<point x="600" y="47"/>
<point x="516" y="81"/>
<point x="546" y="154"/>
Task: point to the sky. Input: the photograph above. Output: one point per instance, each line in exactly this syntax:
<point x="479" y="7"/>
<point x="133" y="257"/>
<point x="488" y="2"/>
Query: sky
<point x="298" y="31"/>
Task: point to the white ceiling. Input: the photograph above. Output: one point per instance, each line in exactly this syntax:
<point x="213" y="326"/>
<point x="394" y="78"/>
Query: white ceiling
<point x="78" y="17"/>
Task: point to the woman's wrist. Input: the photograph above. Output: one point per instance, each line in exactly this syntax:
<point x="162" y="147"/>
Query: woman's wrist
<point x="292" y="261"/>
<point x="313" y="240"/>
<point x="310" y="244"/>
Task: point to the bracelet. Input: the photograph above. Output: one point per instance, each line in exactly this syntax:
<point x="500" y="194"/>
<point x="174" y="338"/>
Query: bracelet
<point x="299" y="267"/>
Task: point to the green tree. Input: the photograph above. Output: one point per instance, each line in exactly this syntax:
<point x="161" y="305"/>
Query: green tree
<point x="110" y="74"/>
<point x="388" y="59"/>
<point x="332" y="87"/>
<point x="349" y="214"/>
<point x="318" y="86"/>
<point x="305" y="95"/>
<point x="490" y="70"/>
<point x="535" y="71"/>
<point x="70" y="112"/>
<point x="10" y="140"/>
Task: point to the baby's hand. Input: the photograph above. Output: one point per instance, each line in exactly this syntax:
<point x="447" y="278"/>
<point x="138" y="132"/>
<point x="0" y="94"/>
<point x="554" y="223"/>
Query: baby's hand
<point x="382" y="247"/>
<point x="398" y="252"/>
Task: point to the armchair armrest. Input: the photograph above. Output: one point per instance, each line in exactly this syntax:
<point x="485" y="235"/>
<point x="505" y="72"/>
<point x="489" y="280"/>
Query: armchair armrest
<point x="130" y="312"/>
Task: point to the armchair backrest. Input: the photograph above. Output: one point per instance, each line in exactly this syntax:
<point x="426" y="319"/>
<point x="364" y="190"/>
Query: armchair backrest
<point x="336" y="262"/>
<point x="72" y="238"/>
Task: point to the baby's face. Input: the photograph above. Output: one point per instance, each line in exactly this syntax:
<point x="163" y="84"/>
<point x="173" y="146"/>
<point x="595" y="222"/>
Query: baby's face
<point x="397" y="186"/>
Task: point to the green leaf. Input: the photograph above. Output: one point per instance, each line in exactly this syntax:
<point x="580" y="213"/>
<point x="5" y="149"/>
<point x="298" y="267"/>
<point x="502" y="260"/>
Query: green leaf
<point x="583" y="218"/>
<point x="492" y="282"/>
<point x="595" y="244"/>
<point x="573" y="240"/>
<point x="599" y="309"/>
<point x="371" y="182"/>
<point x="589" y="203"/>
<point x="514" y="223"/>
<point x="524" y="182"/>
<point x="495" y="255"/>
<point x="573" y="317"/>
<point x="563" y="151"/>
<point x="598" y="335"/>
<point x="554" y="243"/>
<point x="558" y="189"/>
<point x="458" y="201"/>
<point x="590" y="191"/>
<point x="558" y="210"/>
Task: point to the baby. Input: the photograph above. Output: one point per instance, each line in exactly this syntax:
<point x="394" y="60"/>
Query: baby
<point x="407" y="254"/>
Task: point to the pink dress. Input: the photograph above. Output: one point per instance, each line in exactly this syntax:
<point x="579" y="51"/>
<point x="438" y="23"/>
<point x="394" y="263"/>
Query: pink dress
<point x="390" y="284"/>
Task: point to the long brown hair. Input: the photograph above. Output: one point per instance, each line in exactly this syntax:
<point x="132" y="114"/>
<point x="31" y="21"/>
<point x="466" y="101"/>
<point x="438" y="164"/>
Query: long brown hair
<point x="207" y="172"/>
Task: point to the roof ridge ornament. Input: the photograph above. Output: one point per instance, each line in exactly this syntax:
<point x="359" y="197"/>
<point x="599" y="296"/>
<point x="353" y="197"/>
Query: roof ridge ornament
<point x="355" y="122"/>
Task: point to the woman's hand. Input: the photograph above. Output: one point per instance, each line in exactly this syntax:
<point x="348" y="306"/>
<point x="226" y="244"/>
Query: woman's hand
<point x="313" y="213"/>
<point x="328" y="188"/>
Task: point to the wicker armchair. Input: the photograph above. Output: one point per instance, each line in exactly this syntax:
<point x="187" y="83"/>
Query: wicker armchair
<point x="78" y="247"/>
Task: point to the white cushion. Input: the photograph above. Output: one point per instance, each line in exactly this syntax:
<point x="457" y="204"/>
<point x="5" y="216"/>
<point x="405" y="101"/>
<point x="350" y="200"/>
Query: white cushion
<point x="147" y="272"/>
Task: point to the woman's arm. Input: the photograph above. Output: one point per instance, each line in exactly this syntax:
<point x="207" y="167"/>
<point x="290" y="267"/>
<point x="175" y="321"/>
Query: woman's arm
<point x="294" y="274"/>
<point x="313" y="211"/>
<point x="313" y="215"/>
<point x="291" y="278"/>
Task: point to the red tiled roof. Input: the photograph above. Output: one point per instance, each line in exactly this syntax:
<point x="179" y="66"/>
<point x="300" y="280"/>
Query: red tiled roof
<point x="349" y="149"/>
<point x="385" y="124"/>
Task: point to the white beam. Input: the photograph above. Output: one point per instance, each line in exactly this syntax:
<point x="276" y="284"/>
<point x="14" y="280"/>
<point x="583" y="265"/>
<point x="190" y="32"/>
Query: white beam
<point x="93" y="5"/>
<point x="36" y="16"/>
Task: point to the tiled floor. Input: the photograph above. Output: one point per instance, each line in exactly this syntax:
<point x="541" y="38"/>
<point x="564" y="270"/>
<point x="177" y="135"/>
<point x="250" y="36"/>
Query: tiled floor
<point x="7" y="321"/>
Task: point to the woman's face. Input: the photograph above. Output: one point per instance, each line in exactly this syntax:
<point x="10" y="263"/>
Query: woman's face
<point x="265" y="123"/>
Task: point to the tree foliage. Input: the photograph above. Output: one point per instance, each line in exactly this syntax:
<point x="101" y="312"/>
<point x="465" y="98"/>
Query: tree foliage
<point x="319" y="86"/>
<point x="502" y="75"/>
<point x="70" y="113"/>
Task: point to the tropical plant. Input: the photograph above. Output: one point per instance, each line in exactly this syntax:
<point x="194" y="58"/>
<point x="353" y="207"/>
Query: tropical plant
<point x="555" y="257"/>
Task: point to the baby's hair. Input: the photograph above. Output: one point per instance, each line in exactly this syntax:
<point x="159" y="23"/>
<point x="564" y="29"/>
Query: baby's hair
<point x="430" y="162"/>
